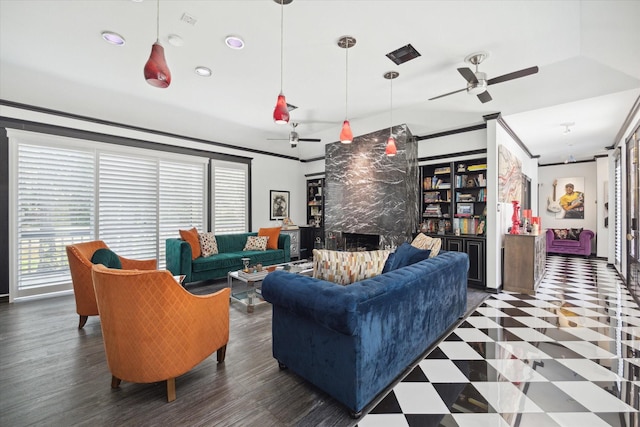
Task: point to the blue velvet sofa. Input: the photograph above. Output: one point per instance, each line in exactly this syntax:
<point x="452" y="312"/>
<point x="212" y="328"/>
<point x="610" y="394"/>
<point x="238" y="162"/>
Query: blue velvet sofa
<point x="228" y="259"/>
<point x="353" y="341"/>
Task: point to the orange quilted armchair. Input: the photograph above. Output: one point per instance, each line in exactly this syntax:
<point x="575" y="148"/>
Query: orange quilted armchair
<point x="80" y="264"/>
<point x="154" y="329"/>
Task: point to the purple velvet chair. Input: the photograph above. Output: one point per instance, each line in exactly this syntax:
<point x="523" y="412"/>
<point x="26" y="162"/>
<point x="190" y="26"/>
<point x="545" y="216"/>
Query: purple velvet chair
<point x="582" y="246"/>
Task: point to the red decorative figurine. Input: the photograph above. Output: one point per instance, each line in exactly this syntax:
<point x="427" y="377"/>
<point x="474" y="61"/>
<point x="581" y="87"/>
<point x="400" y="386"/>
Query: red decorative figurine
<point x="515" y="219"/>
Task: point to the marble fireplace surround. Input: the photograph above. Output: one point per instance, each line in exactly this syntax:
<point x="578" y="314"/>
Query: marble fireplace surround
<point x="368" y="193"/>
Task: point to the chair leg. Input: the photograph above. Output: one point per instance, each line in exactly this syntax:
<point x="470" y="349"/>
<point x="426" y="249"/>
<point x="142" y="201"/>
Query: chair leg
<point x="83" y="320"/>
<point x="222" y="353"/>
<point x="171" y="389"/>
<point x="115" y="382"/>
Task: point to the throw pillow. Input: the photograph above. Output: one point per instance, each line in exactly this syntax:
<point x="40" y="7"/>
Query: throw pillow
<point x="407" y="254"/>
<point x="208" y="244"/>
<point x="560" y="233"/>
<point x="389" y="262"/>
<point x="422" y="241"/>
<point x="345" y="268"/>
<point x="272" y="233"/>
<point x="106" y="257"/>
<point x="574" y="233"/>
<point x="256" y="243"/>
<point x="191" y="237"/>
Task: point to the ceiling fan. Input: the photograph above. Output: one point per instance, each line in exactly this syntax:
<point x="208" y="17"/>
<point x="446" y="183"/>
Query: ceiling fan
<point x="477" y="81"/>
<point x="294" y="138"/>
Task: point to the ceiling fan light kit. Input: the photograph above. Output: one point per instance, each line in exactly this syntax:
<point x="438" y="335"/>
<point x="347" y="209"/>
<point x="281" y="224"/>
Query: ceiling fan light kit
<point x="346" y="135"/>
<point x="156" y="70"/>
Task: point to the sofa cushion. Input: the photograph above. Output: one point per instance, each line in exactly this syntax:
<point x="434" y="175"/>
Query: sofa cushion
<point x="256" y="243"/>
<point x="106" y="257"/>
<point x="231" y="260"/>
<point x="422" y="241"/>
<point x="408" y="254"/>
<point x="345" y="268"/>
<point x="574" y="233"/>
<point x="560" y="233"/>
<point x="208" y="244"/>
<point x="272" y="234"/>
<point x="191" y="237"/>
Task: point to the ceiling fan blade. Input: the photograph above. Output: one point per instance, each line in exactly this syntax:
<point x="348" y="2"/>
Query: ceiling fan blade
<point x="447" y="94"/>
<point x="468" y="75"/>
<point x="515" y="75"/>
<point x="484" y="97"/>
<point x="310" y="139"/>
<point x="277" y="139"/>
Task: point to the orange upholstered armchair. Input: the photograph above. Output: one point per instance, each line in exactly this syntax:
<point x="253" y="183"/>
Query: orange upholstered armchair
<point x="154" y="329"/>
<point x="80" y="264"/>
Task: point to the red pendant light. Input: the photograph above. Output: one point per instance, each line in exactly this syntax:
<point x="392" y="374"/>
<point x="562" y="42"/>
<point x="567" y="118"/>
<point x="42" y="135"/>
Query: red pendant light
<point x="156" y="70"/>
<point x="346" y="135"/>
<point x="281" y="111"/>
<point x="391" y="149"/>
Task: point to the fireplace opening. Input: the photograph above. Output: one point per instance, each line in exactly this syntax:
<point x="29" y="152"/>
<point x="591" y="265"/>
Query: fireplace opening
<point x="354" y="242"/>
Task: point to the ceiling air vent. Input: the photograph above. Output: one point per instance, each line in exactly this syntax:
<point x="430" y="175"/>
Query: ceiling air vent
<point x="403" y="54"/>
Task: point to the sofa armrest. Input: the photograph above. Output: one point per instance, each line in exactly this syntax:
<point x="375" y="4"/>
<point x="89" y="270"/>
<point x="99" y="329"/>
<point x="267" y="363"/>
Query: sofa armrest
<point x="585" y="238"/>
<point x="326" y="303"/>
<point x="284" y="243"/>
<point x="550" y="237"/>
<point x="178" y="255"/>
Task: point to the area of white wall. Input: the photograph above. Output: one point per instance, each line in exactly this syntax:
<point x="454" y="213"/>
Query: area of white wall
<point x="604" y="188"/>
<point x="452" y="144"/>
<point x="548" y="174"/>
<point x="267" y="172"/>
<point x="497" y="224"/>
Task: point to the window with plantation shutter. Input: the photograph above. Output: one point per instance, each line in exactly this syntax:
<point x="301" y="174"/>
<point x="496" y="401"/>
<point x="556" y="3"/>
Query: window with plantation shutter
<point x="66" y="191"/>
<point x="182" y="200"/>
<point x="128" y="204"/>
<point x="230" y="197"/>
<point x="54" y="207"/>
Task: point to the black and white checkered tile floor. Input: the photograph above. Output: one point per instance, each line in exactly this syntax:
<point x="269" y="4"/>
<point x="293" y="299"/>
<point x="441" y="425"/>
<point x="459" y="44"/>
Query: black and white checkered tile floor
<point x="568" y="356"/>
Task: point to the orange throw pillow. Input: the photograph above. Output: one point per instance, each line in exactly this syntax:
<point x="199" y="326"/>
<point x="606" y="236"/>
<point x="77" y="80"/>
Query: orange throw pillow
<point x="272" y="233"/>
<point x="191" y="237"/>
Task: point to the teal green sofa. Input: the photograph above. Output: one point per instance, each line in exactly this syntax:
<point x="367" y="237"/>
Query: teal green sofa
<point x="228" y="259"/>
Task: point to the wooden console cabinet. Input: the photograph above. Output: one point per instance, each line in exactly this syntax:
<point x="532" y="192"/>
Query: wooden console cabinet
<point x="525" y="258"/>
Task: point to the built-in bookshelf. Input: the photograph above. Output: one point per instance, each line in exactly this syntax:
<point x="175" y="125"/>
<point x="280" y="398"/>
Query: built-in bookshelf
<point x="315" y="202"/>
<point x="454" y="207"/>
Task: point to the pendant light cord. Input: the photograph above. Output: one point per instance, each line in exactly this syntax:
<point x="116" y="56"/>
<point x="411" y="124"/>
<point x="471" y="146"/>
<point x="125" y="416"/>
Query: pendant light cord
<point x="391" y="109"/>
<point x="346" y="82"/>
<point x="158" y="21"/>
<point x="281" y="43"/>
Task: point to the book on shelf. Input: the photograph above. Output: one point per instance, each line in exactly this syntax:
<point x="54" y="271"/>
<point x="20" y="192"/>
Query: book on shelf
<point x="432" y="196"/>
<point x="479" y="167"/>
<point x="442" y="170"/>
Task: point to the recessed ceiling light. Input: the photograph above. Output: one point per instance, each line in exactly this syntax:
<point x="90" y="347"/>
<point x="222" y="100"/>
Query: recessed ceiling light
<point x="113" y="38"/>
<point x="203" y="71"/>
<point x="175" y="40"/>
<point x="234" y="42"/>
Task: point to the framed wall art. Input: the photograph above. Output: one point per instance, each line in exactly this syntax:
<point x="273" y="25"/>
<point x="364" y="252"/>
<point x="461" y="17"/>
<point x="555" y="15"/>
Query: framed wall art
<point x="279" y="202"/>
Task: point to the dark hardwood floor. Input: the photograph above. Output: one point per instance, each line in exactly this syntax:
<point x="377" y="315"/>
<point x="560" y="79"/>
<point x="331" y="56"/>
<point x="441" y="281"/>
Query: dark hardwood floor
<point x="54" y="374"/>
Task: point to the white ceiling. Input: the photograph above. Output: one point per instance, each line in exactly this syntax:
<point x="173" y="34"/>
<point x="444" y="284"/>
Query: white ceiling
<point x="52" y="56"/>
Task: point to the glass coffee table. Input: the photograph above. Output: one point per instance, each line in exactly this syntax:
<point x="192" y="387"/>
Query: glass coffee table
<point x="245" y="287"/>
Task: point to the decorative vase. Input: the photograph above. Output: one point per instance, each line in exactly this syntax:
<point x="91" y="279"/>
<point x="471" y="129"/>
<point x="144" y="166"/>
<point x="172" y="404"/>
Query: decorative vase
<point x="515" y="218"/>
